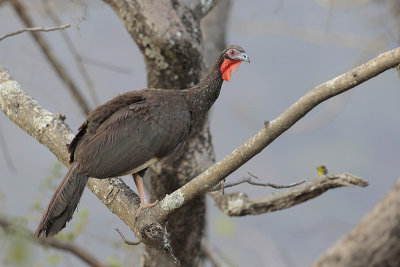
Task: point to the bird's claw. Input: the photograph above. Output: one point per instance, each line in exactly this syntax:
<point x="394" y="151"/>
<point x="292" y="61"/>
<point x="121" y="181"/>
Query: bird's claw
<point x="145" y="205"/>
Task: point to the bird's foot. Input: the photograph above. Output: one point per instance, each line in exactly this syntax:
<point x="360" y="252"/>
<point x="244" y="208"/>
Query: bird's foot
<point x="145" y="205"/>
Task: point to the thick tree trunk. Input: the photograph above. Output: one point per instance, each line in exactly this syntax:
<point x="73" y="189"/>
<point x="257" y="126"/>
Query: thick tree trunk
<point x="375" y="241"/>
<point x="169" y="36"/>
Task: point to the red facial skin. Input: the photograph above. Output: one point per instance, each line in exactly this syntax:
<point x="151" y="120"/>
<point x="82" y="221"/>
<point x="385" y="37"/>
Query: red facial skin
<point x="227" y="67"/>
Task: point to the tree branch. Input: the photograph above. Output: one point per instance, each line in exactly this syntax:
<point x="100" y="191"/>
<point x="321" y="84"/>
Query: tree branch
<point x="50" y="130"/>
<point x="249" y="181"/>
<point x="35" y="29"/>
<point x="79" y="252"/>
<point x="205" y="181"/>
<point x="78" y="58"/>
<point x="238" y="204"/>
<point x="150" y="225"/>
<point x="57" y="66"/>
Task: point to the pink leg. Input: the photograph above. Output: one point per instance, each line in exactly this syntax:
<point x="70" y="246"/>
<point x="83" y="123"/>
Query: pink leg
<point x="143" y="201"/>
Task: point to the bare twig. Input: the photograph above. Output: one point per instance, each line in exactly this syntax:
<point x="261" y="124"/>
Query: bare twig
<point x="58" y="67"/>
<point x="79" y="252"/>
<point x="78" y="58"/>
<point x="132" y="243"/>
<point x="35" y="29"/>
<point x="238" y="204"/>
<point x="276" y="186"/>
<point x="248" y="180"/>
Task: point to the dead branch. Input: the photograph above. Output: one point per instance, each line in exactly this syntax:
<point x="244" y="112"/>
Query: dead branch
<point x="131" y="243"/>
<point x="238" y="203"/>
<point x="250" y="181"/>
<point x="77" y="251"/>
<point x="51" y="58"/>
<point x="35" y="29"/>
<point x="78" y="58"/>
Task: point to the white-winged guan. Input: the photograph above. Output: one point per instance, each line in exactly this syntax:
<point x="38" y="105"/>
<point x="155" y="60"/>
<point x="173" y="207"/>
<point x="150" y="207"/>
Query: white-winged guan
<point x="131" y="132"/>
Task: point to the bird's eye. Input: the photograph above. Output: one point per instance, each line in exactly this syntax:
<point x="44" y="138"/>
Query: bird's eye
<point x="231" y="52"/>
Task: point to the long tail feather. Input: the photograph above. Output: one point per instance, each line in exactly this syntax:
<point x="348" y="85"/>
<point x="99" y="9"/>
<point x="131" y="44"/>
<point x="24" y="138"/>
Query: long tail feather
<point x="63" y="203"/>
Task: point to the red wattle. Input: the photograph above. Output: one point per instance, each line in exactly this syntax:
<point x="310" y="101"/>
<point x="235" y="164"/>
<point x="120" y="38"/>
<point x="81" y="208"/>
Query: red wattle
<point x="227" y="67"/>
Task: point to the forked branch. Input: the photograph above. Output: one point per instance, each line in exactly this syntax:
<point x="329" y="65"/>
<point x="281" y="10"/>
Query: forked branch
<point x="238" y="204"/>
<point x="48" y="129"/>
<point x="213" y="175"/>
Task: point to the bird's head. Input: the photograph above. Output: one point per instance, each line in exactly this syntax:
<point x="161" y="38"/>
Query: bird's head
<point x="230" y="60"/>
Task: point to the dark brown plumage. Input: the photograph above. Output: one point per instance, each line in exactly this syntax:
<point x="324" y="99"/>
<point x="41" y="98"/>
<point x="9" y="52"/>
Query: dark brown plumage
<point x="132" y="131"/>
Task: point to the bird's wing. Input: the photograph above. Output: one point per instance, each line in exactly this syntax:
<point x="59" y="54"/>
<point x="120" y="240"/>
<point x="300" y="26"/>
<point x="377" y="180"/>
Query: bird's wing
<point x="134" y="135"/>
<point x="102" y="113"/>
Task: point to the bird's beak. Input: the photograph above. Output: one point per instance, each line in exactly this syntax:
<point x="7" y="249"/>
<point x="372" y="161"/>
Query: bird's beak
<point x="243" y="57"/>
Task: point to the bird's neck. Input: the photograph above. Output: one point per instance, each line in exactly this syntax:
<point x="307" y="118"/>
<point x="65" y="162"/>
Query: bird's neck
<point x="203" y="95"/>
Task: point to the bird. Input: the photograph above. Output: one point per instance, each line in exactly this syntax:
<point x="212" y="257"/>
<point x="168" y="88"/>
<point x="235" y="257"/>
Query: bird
<point x="322" y="170"/>
<point x="132" y="131"/>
